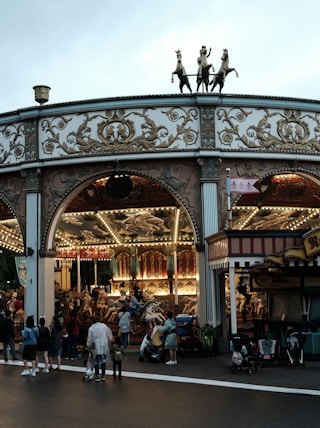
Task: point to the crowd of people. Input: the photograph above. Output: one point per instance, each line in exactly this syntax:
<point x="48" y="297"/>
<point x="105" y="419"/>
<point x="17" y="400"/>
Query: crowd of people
<point x="62" y="337"/>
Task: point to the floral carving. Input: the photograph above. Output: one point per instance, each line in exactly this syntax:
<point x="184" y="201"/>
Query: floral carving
<point x="116" y="130"/>
<point x="289" y="131"/>
<point x="12" y="144"/>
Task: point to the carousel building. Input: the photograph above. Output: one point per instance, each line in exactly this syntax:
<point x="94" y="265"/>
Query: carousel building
<point x="208" y="202"/>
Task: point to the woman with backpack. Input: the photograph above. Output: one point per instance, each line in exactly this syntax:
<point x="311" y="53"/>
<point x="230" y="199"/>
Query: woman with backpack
<point x="124" y="326"/>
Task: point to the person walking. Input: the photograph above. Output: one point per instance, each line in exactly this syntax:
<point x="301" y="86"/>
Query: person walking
<point x="43" y="343"/>
<point x="7" y="333"/>
<point x="55" y="350"/>
<point x="124" y="326"/>
<point x="99" y="339"/>
<point x="117" y="353"/>
<point x="30" y="338"/>
<point x="171" y="340"/>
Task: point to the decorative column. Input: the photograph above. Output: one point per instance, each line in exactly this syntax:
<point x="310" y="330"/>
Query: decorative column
<point x="233" y="303"/>
<point x="209" y="195"/>
<point x="95" y="270"/>
<point x="46" y="284"/>
<point x="32" y="246"/>
<point x="78" y="272"/>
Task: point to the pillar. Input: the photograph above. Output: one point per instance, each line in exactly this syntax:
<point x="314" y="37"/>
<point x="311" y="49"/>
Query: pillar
<point x="233" y="302"/>
<point x="46" y="285"/>
<point x="209" y="198"/>
<point x="32" y="246"/>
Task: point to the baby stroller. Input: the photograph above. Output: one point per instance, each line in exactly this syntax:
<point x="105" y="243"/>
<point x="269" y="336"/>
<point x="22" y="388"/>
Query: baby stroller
<point x="89" y="373"/>
<point x="295" y="344"/>
<point x="268" y="351"/>
<point x="242" y="354"/>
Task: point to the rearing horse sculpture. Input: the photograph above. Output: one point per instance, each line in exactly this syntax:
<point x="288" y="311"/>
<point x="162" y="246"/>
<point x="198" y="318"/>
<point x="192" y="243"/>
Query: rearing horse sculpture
<point x="224" y="70"/>
<point x="181" y="73"/>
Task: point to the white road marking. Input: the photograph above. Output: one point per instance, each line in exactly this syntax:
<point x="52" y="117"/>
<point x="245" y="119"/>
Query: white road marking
<point x="192" y="380"/>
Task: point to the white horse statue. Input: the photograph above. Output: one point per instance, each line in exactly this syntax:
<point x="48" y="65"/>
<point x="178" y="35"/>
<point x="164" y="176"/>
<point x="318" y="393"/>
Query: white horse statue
<point x="224" y="70"/>
<point x="152" y="312"/>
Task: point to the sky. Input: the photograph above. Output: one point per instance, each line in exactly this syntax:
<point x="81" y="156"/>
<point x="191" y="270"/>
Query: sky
<point x="116" y="48"/>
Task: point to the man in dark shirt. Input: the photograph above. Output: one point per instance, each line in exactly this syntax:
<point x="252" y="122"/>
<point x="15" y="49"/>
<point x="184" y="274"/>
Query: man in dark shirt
<point x="7" y="336"/>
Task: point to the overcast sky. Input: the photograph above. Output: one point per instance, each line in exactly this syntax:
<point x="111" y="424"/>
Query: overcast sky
<point x="87" y="49"/>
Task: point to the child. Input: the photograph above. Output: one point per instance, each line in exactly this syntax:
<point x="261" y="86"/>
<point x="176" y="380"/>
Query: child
<point x="117" y="356"/>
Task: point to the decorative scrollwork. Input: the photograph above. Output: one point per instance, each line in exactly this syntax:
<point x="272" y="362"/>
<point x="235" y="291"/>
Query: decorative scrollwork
<point x="12" y="144"/>
<point x="287" y="131"/>
<point x="116" y="130"/>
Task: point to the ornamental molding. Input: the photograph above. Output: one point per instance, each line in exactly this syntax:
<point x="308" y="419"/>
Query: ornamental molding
<point x="291" y="131"/>
<point x="117" y="131"/>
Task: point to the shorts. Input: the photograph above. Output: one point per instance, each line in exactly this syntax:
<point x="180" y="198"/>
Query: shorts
<point x="29" y="352"/>
<point x="43" y="347"/>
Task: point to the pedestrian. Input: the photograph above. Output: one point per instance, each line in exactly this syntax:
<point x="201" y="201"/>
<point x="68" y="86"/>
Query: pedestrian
<point x="124" y="326"/>
<point x="55" y="350"/>
<point x="99" y="339"/>
<point x="171" y="341"/>
<point x="7" y="333"/>
<point x="30" y="337"/>
<point x="43" y="344"/>
<point x="117" y="355"/>
<point x="73" y="324"/>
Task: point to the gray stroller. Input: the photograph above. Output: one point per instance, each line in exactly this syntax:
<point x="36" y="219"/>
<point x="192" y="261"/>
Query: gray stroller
<point x="295" y="344"/>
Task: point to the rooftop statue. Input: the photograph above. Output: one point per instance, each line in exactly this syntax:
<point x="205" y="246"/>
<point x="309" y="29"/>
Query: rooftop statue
<point x="203" y="68"/>
<point x="181" y="73"/>
<point x="224" y="70"/>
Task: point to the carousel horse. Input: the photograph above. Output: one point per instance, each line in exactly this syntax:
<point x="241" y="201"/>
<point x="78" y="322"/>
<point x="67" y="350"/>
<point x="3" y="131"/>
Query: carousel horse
<point x="152" y="312"/>
<point x="86" y="304"/>
<point x="101" y="304"/>
<point x="190" y="305"/>
<point x="224" y="70"/>
<point x="181" y="73"/>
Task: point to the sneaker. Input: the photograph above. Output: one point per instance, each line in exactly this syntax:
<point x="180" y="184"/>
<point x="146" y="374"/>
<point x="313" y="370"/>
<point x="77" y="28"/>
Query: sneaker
<point x="37" y="370"/>
<point x="175" y="362"/>
<point x="170" y="363"/>
<point x="33" y="373"/>
<point x="25" y="373"/>
<point x="45" y="371"/>
<point x="103" y="379"/>
<point x="97" y="379"/>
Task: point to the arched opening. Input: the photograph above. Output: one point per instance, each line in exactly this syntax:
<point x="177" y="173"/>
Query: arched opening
<point x="285" y="201"/>
<point x="126" y="229"/>
<point x="272" y="280"/>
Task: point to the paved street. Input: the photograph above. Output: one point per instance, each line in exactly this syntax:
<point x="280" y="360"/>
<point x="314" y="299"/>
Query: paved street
<point x="198" y="392"/>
